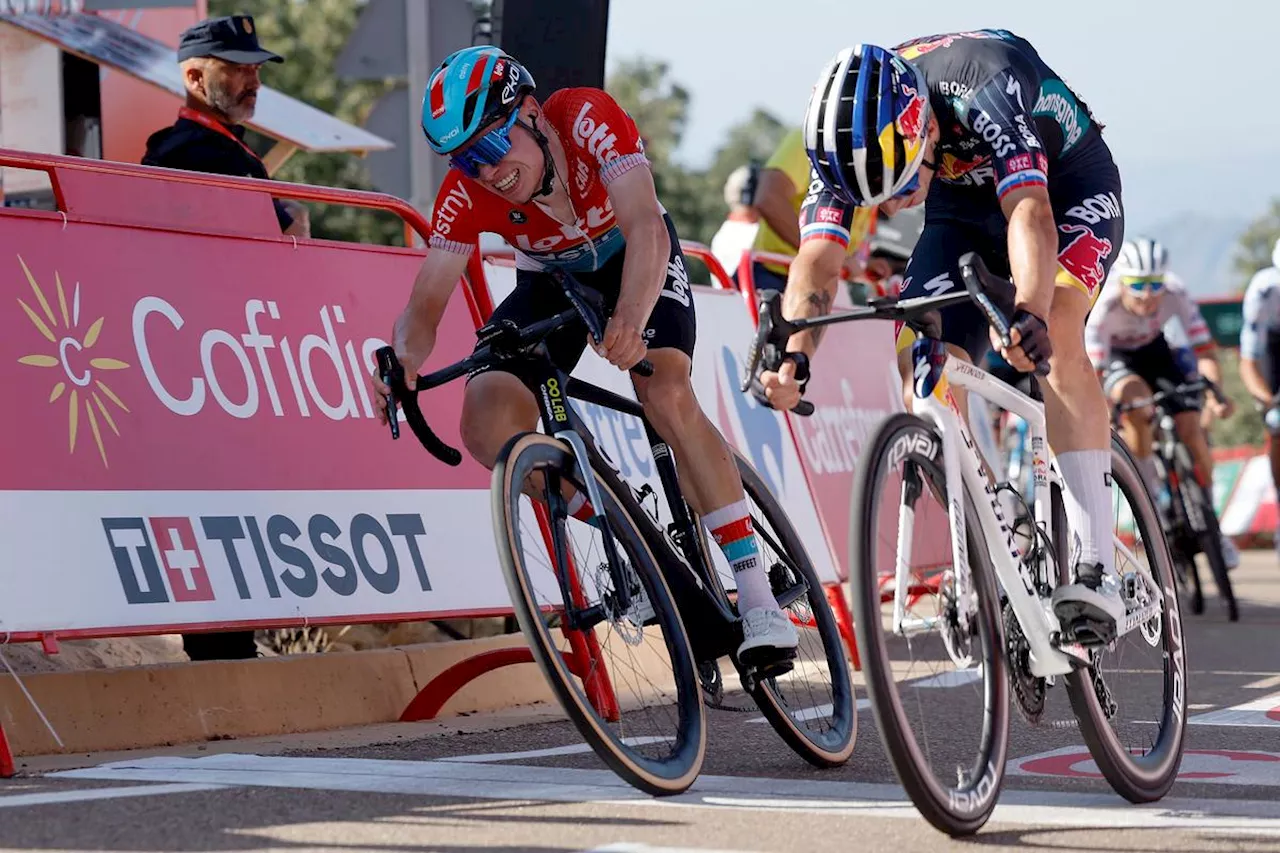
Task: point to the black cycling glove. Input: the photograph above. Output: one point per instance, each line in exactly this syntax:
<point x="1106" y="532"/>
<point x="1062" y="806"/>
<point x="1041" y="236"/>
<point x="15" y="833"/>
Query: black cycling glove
<point x="1034" y="339"/>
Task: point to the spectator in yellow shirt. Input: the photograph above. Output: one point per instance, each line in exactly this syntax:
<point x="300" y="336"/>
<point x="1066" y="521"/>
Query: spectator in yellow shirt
<point x="782" y="186"/>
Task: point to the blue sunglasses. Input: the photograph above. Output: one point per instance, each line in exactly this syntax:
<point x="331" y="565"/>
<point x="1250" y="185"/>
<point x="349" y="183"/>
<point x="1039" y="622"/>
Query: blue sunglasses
<point x="1140" y="284"/>
<point x="487" y="150"/>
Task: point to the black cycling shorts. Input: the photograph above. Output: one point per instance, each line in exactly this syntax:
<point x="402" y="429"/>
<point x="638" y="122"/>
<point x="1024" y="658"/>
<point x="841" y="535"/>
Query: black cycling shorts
<point x="1090" y="220"/>
<point x="537" y="296"/>
<point x="1152" y="362"/>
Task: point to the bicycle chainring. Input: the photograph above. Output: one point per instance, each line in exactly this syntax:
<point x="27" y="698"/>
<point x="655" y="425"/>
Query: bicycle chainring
<point x="1029" y="690"/>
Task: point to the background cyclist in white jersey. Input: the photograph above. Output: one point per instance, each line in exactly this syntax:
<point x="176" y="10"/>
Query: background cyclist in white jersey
<point x="1125" y="339"/>
<point x="1260" y="352"/>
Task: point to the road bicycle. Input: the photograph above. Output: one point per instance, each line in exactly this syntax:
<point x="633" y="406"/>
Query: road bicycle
<point x="641" y="609"/>
<point x="979" y="604"/>
<point x="1191" y="523"/>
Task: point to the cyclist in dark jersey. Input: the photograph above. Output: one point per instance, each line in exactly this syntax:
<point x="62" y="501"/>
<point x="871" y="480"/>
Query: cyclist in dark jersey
<point x="567" y="183"/>
<point x="1013" y="167"/>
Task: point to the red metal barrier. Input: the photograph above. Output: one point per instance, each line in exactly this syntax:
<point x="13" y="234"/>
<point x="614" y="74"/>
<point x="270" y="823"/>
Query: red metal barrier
<point x="7" y="769"/>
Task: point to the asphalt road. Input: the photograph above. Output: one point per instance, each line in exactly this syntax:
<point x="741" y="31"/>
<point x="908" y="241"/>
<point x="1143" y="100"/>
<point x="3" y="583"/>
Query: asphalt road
<point x="524" y="781"/>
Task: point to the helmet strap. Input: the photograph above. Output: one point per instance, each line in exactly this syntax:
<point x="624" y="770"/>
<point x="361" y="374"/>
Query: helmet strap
<point x="549" y="165"/>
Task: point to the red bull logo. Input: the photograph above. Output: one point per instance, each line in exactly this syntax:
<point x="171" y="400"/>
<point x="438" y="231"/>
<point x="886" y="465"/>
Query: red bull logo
<point x="952" y="168"/>
<point x="1083" y="256"/>
<point x="910" y="120"/>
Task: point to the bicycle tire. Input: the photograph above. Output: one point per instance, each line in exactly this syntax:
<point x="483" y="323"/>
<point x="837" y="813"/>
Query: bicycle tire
<point x="835" y="748"/>
<point x="1211" y="545"/>
<point x="521" y="455"/>
<point x="959" y="811"/>
<point x="1139" y="779"/>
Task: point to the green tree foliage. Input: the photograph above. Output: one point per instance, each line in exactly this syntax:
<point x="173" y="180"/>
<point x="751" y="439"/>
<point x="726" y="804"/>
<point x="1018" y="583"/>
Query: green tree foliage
<point x="1254" y="250"/>
<point x="660" y="107"/>
<point x="310" y="36"/>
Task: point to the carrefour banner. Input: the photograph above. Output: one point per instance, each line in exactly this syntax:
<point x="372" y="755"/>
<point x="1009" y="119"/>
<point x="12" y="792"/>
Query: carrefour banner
<point x="191" y="439"/>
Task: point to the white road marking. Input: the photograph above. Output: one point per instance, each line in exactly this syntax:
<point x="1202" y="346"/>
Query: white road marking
<point x="1260" y="713"/>
<point x="815" y="712"/>
<point x="82" y="795"/>
<point x="560" y="784"/>
<point x="572" y="749"/>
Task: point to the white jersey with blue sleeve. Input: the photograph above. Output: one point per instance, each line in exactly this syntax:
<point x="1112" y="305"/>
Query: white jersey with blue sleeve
<point x="1261" y="313"/>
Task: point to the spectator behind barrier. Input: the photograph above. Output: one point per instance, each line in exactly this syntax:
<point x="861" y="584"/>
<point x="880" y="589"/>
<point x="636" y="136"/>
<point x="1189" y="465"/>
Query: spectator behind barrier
<point x="783" y="184"/>
<point x="741" y="224"/>
<point x="220" y="60"/>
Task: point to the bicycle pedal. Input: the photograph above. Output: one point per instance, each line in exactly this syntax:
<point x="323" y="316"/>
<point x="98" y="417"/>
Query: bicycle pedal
<point x="767" y="661"/>
<point x="1088" y="632"/>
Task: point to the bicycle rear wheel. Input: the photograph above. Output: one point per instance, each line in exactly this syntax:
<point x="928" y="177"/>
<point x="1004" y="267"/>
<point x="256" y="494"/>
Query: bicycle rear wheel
<point x="637" y="702"/>
<point x="811" y="707"/>
<point x="1137" y="745"/>
<point x="938" y="666"/>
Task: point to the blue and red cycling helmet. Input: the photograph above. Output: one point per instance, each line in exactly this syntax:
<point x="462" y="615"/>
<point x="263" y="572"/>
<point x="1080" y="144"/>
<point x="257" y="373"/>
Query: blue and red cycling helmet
<point x="472" y="88"/>
<point x="867" y="124"/>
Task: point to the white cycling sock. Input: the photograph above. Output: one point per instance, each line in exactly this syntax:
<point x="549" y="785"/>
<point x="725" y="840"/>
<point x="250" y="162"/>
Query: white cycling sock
<point x="1087" y="500"/>
<point x="731" y="527"/>
<point x="1147" y="465"/>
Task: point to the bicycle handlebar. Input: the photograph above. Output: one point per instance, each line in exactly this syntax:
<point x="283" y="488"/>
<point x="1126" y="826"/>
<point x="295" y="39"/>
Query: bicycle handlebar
<point x="993" y="294"/>
<point x="1168" y="389"/>
<point x="506" y="342"/>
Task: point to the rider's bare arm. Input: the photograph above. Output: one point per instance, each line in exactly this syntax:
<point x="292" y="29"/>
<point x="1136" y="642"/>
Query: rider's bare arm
<point x="1033" y="247"/>
<point x="432" y="287"/>
<point x="635" y="204"/>
<point x="1254" y="382"/>
<point x="774" y="194"/>
<point x="811" y="288"/>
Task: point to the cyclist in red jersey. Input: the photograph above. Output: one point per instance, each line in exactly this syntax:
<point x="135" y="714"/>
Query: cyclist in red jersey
<point x="566" y="182"/>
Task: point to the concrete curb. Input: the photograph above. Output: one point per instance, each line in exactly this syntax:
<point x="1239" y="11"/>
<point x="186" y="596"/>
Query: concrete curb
<point x="167" y="704"/>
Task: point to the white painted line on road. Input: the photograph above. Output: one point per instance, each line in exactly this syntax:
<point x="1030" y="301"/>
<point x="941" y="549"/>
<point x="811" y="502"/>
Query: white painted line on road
<point x="627" y="847"/>
<point x="1264" y="683"/>
<point x="952" y="678"/>
<point x="84" y="794"/>
<point x="1211" y="766"/>
<point x="572" y="749"/>
<point x="560" y="784"/>
<point x="1260" y="713"/>
<point x="815" y="712"/>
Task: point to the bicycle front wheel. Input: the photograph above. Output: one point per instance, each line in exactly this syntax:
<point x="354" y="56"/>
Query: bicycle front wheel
<point x="930" y="637"/>
<point x="631" y="688"/>
<point x="1136" y="740"/>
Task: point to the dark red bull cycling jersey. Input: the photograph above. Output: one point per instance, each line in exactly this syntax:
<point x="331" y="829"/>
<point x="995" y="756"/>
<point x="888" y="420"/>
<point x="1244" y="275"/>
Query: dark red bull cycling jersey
<point x="601" y="143"/>
<point x="1005" y="121"/>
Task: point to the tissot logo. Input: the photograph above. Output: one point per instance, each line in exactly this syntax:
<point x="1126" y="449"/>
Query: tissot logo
<point x="176" y="558"/>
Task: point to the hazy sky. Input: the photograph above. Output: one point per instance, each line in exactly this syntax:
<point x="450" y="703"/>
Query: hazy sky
<point x="1187" y="91"/>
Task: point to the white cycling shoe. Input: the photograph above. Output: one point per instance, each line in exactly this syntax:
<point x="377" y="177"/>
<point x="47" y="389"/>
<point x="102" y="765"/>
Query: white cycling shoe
<point x="767" y="634"/>
<point x="1091" y="608"/>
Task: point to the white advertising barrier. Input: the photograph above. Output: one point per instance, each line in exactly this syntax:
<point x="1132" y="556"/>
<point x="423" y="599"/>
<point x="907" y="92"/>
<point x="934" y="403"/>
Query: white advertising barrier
<point x="759" y="434"/>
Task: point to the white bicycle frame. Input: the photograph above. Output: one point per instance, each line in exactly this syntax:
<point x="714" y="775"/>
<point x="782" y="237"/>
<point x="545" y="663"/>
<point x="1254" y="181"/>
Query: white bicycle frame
<point x="965" y="469"/>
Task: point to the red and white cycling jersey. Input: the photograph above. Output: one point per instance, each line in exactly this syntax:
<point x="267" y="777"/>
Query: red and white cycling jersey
<point x="601" y="143"/>
<point x="1111" y="326"/>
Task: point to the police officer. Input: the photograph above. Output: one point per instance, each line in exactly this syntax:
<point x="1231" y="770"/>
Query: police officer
<point x="220" y="59"/>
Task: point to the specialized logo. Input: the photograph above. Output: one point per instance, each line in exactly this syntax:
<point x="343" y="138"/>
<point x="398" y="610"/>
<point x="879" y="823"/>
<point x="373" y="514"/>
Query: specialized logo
<point x="88" y="395"/>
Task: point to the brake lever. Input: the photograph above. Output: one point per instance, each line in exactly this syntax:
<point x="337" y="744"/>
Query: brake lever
<point x="771" y="330"/>
<point x="392" y="374"/>
<point x="412" y="412"/>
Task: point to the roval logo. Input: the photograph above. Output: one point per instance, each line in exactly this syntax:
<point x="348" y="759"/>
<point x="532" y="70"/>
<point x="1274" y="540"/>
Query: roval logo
<point x="596" y="138"/>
